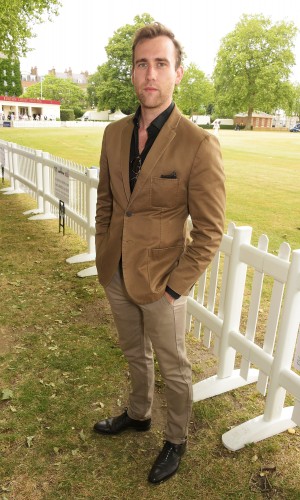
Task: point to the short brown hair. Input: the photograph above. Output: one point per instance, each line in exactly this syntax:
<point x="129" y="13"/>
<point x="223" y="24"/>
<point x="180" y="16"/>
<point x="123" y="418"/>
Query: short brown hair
<point x="154" y="30"/>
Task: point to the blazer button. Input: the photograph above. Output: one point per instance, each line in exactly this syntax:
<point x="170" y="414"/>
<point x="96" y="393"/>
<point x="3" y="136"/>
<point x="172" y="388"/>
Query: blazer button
<point x="129" y="214"/>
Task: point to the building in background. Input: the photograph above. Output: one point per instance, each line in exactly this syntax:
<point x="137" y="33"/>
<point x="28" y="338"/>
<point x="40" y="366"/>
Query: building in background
<point x="18" y="108"/>
<point x="33" y="77"/>
<point x="258" y="120"/>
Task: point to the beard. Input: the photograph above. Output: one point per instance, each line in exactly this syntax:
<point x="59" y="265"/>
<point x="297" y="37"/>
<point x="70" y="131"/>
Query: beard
<point x="156" y="99"/>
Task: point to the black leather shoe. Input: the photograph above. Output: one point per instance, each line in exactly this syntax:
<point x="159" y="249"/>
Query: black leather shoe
<point x="167" y="462"/>
<point x="118" y="424"/>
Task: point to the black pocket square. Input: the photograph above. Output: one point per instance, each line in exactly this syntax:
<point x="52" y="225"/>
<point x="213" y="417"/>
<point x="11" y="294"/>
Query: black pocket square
<point x="172" y="175"/>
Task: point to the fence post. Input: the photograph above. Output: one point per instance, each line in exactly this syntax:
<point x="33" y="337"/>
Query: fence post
<point x="39" y="181"/>
<point x="286" y="341"/>
<point x="233" y="300"/>
<point x="92" y="176"/>
<point x="10" y="169"/>
<point x="227" y="378"/>
<point x="92" y="173"/>
<point x="15" y="167"/>
<point x="46" y="184"/>
<point x="39" y="185"/>
<point x="6" y="165"/>
<point x="45" y="188"/>
<point x="13" y="171"/>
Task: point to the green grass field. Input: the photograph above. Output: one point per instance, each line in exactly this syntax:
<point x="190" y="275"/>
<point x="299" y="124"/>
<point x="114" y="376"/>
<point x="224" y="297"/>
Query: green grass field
<point x="80" y="145"/>
<point x="262" y="170"/>
<point x="61" y="367"/>
<point x="263" y="183"/>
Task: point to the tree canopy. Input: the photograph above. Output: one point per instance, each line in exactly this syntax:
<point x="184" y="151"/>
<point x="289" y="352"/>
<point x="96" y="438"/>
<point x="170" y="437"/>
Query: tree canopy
<point x="295" y="100"/>
<point x="195" y="93"/>
<point x="10" y="77"/>
<point x="111" y="85"/>
<point x="68" y="93"/>
<point x="17" y="18"/>
<point x="253" y="66"/>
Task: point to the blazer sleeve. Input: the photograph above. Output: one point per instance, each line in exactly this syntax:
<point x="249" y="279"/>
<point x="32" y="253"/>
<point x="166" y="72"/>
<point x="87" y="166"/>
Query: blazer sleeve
<point x="104" y="196"/>
<point x="206" y="206"/>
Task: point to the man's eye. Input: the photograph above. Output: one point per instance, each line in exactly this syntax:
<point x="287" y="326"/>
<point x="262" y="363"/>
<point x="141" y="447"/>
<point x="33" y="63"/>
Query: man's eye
<point x="161" y="64"/>
<point x="142" y="65"/>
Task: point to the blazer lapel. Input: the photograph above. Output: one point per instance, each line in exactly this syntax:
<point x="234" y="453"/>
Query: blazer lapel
<point x="161" y="143"/>
<point x="125" y="152"/>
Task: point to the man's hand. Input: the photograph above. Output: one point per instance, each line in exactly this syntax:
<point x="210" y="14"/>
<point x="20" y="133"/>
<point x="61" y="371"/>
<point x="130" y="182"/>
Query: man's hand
<point x="169" y="298"/>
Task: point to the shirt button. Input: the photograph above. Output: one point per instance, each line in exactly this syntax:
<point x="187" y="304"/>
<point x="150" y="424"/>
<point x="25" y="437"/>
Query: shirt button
<point x="129" y="214"/>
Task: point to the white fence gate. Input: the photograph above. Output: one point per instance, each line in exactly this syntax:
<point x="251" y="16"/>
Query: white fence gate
<point x="215" y="305"/>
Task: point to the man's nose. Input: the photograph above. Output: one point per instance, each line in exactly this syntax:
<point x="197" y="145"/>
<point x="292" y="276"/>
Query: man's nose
<point x="151" y="72"/>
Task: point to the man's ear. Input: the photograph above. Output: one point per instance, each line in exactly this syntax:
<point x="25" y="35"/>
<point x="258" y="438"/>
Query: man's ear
<point x="179" y="75"/>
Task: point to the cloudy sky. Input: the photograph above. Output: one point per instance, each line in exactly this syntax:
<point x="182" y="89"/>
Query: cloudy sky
<point x="78" y="36"/>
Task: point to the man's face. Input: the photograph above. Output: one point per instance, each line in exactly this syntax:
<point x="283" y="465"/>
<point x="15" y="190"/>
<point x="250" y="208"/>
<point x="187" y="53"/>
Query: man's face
<point x="154" y="75"/>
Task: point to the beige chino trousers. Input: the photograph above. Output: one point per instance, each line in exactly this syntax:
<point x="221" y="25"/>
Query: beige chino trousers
<point x="159" y="326"/>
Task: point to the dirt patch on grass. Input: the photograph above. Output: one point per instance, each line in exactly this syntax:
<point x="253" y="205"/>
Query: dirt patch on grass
<point x="25" y="487"/>
<point x="8" y="340"/>
<point x="97" y="313"/>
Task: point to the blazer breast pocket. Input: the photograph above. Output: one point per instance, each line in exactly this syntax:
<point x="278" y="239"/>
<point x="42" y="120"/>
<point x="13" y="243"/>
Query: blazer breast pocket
<point x="164" y="192"/>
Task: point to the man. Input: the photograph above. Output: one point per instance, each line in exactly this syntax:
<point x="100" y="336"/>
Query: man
<point x="156" y="169"/>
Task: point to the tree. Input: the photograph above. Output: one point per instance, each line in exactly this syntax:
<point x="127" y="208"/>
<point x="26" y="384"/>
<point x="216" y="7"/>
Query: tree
<point x="17" y="18"/>
<point x="253" y="66"/>
<point x="295" y="100"/>
<point x="68" y="93"/>
<point x="111" y="84"/>
<point x="195" y="92"/>
<point x="10" y="77"/>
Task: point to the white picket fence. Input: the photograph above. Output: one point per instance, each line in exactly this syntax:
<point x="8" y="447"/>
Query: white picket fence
<point x="216" y="305"/>
<point x="35" y="172"/>
<point x="272" y="351"/>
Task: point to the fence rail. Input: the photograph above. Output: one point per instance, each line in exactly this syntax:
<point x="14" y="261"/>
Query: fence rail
<point x="217" y="313"/>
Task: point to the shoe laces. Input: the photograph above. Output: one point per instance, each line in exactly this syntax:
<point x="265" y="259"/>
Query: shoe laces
<point x="169" y="448"/>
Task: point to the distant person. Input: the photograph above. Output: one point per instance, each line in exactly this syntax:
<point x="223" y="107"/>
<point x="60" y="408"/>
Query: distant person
<point x="216" y="127"/>
<point x="156" y="169"/>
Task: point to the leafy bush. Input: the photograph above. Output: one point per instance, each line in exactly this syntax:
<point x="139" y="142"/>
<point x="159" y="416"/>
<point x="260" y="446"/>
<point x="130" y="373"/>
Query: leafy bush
<point x="67" y="115"/>
<point x="78" y="112"/>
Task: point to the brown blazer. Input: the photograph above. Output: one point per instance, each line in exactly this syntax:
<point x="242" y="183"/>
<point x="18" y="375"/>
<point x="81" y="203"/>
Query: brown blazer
<point x="148" y="227"/>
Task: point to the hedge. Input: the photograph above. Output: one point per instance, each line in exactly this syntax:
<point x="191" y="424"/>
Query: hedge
<point x="67" y="115"/>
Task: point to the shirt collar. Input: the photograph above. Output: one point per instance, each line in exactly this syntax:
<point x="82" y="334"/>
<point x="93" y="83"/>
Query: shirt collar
<point x="158" y="122"/>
